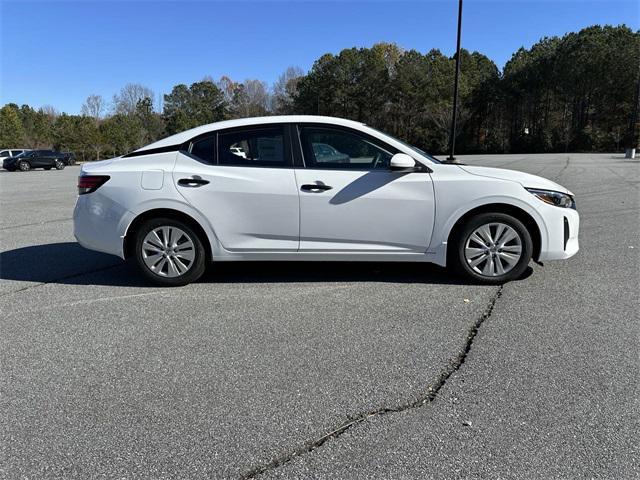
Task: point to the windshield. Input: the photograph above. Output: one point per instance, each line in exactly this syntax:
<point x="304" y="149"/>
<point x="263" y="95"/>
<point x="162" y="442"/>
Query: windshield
<point x="20" y="154"/>
<point x="415" y="149"/>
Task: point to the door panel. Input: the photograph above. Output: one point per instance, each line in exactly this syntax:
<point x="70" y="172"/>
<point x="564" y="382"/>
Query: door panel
<point x="369" y="211"/>
<point x="45" y="159"/>
<point x="360" y="205"/>
<point x="36" y="160"/>
<point x="249" y="208"/>
<point x="253" y="204"/>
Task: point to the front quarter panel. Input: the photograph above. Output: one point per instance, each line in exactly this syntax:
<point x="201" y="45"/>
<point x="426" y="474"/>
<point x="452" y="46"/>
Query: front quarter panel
<point x="458" y="192"/>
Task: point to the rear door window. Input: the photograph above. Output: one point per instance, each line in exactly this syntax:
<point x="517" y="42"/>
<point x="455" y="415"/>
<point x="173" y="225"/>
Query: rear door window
<point x="254" y="147"/>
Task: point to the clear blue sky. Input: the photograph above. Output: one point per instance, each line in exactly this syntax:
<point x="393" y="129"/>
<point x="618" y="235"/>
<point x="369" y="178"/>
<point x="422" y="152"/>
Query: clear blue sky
<point x="57" y="53"/>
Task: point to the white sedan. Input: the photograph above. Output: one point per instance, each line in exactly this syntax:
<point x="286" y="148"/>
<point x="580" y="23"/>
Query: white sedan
<point x="190" y="199"/>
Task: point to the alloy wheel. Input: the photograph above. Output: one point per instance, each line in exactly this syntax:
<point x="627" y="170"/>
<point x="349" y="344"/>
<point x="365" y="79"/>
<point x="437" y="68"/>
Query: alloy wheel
<point x="493" y="249"/>
<point x="168" y="251"/>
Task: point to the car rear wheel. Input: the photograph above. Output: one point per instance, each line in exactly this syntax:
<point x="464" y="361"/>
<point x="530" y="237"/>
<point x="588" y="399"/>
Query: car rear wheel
<point x="24" y="166"/>
<point x="59" y="164"/>
<point x="492" y="248"/>
<point x="169" y="252"/>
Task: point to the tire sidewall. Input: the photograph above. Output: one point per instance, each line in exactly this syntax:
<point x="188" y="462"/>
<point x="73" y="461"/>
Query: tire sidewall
<point x="199" y="263"/>
<point x="527" y="247"/>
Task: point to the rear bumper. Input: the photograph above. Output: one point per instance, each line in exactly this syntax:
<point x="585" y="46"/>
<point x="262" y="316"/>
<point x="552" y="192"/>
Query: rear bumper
<point x="100" y="224"/>
<point x="563" y="227"/>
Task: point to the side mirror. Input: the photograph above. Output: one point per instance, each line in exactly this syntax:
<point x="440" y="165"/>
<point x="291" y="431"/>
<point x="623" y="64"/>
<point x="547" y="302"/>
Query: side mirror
<point x="401" y="162"/>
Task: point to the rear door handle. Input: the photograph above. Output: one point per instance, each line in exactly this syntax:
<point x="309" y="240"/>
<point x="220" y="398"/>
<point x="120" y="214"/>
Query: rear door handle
<point x="192" y="182"/>
<point x="315" y="187"/>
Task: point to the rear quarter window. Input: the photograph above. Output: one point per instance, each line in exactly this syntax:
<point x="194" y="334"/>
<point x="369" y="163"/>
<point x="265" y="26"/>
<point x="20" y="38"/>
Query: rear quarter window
<point x="204" y="149"/>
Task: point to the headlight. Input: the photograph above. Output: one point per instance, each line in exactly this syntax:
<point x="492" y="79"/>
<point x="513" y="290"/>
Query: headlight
<point x="557" y="199"/>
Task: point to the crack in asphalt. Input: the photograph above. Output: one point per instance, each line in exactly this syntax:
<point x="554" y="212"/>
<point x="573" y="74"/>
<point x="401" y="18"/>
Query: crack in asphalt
<point x="36" y="223"/>
<point x="563" y="169"/>
<point x="633" y="183"/>
<point x="425" y="398"/>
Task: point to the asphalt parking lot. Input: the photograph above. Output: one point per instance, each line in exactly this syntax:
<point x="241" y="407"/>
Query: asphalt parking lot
<point x="346" y="371"/>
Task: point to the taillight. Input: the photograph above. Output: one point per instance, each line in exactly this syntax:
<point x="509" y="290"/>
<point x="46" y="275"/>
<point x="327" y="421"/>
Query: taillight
<point x="90" y="183"/>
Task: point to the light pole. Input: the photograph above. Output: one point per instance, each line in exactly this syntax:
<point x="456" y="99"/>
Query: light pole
<point x="452" y="139"/>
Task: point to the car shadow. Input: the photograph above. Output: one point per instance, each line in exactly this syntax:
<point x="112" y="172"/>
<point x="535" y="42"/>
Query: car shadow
<point x="66" y="263"/>
<point x="69" y="264"/>
<point x="363" y="185"/>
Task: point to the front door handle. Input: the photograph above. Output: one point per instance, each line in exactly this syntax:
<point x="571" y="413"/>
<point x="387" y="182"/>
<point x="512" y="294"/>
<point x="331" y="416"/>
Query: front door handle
<point x="314" y="187"/>
<point x="192" y="182"/>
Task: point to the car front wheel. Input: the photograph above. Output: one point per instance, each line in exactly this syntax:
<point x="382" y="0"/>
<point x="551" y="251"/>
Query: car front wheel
<point x="59" y="165"/>
<point x="24" y="166"/>
<point x="492" y="248"/>
<point x="169" y="252"/>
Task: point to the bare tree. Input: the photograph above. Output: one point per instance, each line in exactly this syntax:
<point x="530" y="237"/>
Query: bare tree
<point x="50" y="111"/>
<point x="258" y="97"/>
<point x="126" y="101"/>
<point x="250" y="99"/>
<point x="228" y="88"/>
<point x="285" y="89"/>
<point x="93" y="106"/>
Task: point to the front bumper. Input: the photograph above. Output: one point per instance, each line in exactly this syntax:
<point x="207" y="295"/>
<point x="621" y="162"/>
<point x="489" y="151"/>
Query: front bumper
<point x="563" y="226"/>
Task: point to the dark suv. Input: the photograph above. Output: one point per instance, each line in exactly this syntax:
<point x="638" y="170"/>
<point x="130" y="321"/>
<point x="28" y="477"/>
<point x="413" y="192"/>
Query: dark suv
<point x="46" y="159"/>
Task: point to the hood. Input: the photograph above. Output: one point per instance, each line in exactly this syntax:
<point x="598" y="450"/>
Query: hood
<point x="525" y="179"/>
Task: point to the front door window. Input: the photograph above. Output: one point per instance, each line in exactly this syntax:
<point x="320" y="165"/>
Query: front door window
<point x="331" y="148"/>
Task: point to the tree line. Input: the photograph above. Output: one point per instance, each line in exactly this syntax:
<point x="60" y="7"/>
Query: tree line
<point x="578" y="92"/>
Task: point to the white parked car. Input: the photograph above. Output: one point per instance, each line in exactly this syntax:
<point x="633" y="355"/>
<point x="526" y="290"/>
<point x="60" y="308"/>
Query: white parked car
<point x="190" y="199"/>
<point x="12" y="152"/>
<point x="238" y="151"/>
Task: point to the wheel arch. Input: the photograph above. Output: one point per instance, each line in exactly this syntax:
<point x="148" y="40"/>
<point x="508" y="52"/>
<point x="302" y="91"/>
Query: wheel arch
<point x="525" y="217"/>
<point x="129" y="238"/>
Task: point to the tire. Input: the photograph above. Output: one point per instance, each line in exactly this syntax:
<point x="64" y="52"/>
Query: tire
<point x="59" y="164"/>
<point x="162" y="264"/>
<point x="481" y="257"/>
<point x="24" y="166"/>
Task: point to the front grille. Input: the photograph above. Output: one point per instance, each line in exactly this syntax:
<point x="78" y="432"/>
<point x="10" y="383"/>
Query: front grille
<point x="566" y="232"/>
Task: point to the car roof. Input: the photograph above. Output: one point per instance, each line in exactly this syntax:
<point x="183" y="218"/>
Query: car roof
<point x="182" y="137"/>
